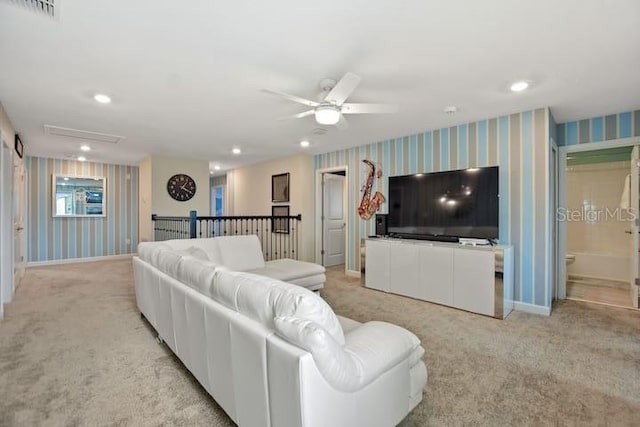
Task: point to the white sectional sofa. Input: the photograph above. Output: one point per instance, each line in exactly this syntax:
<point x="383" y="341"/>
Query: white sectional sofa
<point x="244" y="253"/>
<point x="273" y="353"/>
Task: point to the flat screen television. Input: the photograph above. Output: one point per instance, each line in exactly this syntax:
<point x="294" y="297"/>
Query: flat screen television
<point x="445" y="205"/>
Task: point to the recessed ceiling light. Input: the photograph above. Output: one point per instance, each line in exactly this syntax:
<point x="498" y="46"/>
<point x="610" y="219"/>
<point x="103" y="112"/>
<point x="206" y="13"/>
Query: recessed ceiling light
<point x="519" y="86"/>
<point x="217" y="167"/>
<point x="82" y="158"/>
<point x="102" y="98"/>
<point x="85" y="148"/>
<point x="304" y="143"/>
<point x="236" y="151"/>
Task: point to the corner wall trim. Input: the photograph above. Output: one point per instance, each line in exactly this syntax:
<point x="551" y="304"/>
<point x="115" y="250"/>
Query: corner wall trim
<point x="76" y="260"/>
<point x="531" y="308"/>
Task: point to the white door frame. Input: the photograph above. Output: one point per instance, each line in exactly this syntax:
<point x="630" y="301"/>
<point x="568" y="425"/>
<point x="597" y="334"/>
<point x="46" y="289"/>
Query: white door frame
<point x="6" y="224"/>
<point x="326" y="220"/>
<point x="635" y="242"/>
<point x="562" y="191"/>
<point x="19" y="219"/>
<point x="318" y="215"/>
<point x="554" y="205"/>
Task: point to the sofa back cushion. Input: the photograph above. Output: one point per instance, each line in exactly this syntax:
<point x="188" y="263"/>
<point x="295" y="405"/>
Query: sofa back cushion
<point x="197" y="274"/>
<point x="240" y="253"/>
<point x="262" y="299"/>
<point x="148" y="251"/>
<point x="194" y="252"/>
<point x="209" y="245"/>
<point x="167" y="261"/>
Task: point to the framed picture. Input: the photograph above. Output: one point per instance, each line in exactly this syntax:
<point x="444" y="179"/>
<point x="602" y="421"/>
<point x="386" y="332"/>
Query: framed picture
<point x="280" y="219"/>
<point x="280" y="188"/>
<point x="19" y="147"/>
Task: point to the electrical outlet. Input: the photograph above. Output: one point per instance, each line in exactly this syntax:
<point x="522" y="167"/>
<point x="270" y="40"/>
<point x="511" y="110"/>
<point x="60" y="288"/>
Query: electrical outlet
<point x="128" y="241"/>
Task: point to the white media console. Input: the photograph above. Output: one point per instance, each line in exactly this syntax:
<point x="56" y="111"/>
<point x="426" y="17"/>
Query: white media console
<point x="473" y="278"/>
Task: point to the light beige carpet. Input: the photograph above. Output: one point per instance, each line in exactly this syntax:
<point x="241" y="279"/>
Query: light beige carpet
<point x="74" y="351"/>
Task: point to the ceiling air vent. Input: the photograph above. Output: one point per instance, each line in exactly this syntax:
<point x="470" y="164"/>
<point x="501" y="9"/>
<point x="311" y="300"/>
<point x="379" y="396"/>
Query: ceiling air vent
<point x="82" y="134"/>
<point x="50" y="8"/>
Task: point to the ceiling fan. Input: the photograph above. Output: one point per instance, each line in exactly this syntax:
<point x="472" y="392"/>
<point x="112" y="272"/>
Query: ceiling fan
<point x="330" y="109"/>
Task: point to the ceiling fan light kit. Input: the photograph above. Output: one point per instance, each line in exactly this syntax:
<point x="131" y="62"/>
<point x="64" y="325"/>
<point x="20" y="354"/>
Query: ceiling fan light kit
<point x="327" y="115"/>
<point x="330" y="110"/>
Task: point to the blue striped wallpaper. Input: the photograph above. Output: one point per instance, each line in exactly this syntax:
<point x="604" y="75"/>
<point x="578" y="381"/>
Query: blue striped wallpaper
<point x="57" y="238"/>
<point x="518" y="143"/>
<point x="597" y="129"/>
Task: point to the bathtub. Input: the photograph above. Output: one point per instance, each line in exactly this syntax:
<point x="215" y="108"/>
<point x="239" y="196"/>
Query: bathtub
<point x="600" y="266"/>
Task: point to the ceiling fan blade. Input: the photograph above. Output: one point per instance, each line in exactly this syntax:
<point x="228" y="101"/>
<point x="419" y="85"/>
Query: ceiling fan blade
<point x="293" y="98"/>
<point x="343" y="88"/>
<point x="299" y="115"/>
<point x="350" y="108"/>
<point x="342" y="124"/>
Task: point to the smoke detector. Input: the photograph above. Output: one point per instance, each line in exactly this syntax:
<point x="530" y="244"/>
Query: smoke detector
<point x="451" y="109"/>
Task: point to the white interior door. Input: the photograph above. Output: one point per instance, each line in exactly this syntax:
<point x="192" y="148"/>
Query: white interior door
<point x="635" y="225"/>
<point x="333" y="219"/>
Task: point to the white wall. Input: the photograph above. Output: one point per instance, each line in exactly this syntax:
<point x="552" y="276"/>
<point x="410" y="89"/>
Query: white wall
<point x="593" y="194"/>
<point x="249" y="191"/>
<point x="145" y="189"/>
<point x="163" y="168"/>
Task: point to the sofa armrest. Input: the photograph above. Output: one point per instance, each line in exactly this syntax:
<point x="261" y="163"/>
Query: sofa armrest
<point x="378" y="346"/>
<point x="369" y="351"/>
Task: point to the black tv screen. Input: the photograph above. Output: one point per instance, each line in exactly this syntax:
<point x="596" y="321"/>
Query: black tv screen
<point x="459" y="203"/>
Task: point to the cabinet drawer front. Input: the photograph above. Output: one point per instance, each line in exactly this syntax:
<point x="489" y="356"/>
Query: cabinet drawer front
<point x="436" y="274"/>
<point x="403" y="274"/>
<point x="474" y="282"/>
<point x="377" y="265"/>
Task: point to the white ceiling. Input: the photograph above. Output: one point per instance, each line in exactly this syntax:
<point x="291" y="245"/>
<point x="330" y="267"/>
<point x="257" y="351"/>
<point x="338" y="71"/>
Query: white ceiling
<point x="185" y="77"/>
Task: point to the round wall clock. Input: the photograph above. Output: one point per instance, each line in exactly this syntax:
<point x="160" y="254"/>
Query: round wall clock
<point x="181" y="187"/>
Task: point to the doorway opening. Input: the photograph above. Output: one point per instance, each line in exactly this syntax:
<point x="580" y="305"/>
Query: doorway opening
<point x="332" y="214"/>
<point x="598" y="217"/>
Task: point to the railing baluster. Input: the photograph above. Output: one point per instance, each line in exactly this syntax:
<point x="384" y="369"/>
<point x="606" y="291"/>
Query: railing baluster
<point x="279" y="236"/>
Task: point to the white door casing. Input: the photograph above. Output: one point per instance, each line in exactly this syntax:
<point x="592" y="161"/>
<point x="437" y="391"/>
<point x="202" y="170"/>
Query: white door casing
<point x="6" y="224"/>
<point x="333" y="219"/>
<point x="634" y="204"/>
<point x="19" y="214"/>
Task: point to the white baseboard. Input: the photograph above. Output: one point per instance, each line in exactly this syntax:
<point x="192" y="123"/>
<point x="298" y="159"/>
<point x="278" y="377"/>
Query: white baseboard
<point x="532" y="308"/>
<point x="352" y="273"/>
<point x="76" y="260"/>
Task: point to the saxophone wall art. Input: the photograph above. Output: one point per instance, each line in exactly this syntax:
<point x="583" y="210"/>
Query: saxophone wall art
<point x="370" y="205"/>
